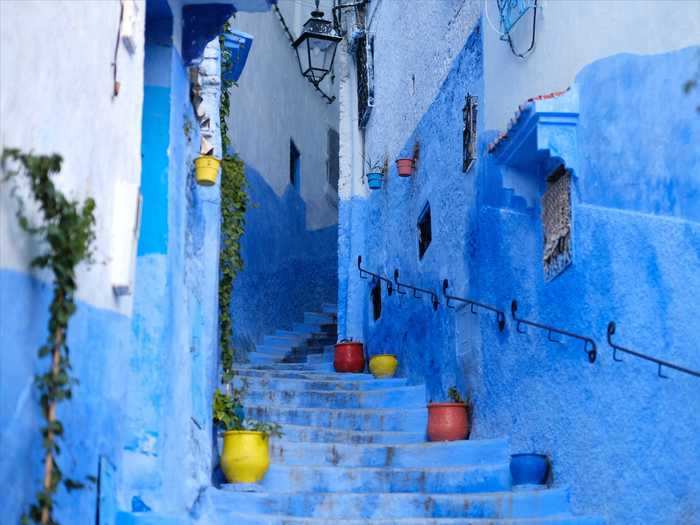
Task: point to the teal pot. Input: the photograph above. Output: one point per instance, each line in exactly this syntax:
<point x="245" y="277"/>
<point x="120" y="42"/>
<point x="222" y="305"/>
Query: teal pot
<point x="375" y="180"/>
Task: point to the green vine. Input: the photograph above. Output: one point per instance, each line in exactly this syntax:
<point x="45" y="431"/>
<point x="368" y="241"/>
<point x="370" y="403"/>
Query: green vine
<point x="67" y="231"/>
<point x="234" y="202"/>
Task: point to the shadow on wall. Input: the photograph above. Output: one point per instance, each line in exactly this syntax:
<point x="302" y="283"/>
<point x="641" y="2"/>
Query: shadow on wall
<point x="287" y="268"/>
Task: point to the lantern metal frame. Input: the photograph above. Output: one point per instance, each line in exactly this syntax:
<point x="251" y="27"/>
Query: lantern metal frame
<point x="318" y="28"/>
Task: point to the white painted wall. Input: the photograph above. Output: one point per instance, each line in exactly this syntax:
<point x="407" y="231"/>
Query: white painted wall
<point x="56" y="97"/>
<point x="274" y="103"/>
<point x="571" y="34"/>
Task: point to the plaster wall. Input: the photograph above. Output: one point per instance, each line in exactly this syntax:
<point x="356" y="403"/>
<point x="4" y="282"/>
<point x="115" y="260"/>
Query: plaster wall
<point x="142" y="407"/>
<point x="571" y="35"/>
<point x="635" y="262"/>
<point x="52" y="97"/>
<point x="289" y="246"/>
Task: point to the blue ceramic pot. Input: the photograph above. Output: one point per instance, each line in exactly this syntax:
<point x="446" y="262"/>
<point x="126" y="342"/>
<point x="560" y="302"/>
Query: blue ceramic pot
<point x="529" y="469"/>
<point x="375" y="181"/>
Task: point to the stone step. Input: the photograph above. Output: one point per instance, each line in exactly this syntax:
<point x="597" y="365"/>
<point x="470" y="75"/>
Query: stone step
<point x="256" y="358"/>
<point x="310" y="374"/>
<point x="284" y="340"/>
<point x="274" y="350"/>
<point x="298" y="382"/>
<point x="447" y="454"/>
<point x="330" y="308"/>
<point x="325" y="368"/>
<point x="261" y="519"/>
<point x="319" y="318"/>
<point x="374" y="419"/>
<point x="396" y="399"/>
<point x="464" y="478"/>
<point x="324" y="357"/>
<point x="521" y="504"/>
<point x="325" y="435"/>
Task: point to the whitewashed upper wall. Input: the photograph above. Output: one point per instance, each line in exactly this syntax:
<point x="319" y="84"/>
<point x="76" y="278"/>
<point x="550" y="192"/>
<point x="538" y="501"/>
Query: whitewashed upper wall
<point x="571" y="34"/>
<point x="415" y="45"/>
<point x="274" y="103"/>
<point x="56" y="85"/>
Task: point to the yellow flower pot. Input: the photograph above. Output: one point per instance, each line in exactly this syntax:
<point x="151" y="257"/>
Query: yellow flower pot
<point x="206" y="169"/>
<point x="246" y="456"/>
<point x="383" y="365"/>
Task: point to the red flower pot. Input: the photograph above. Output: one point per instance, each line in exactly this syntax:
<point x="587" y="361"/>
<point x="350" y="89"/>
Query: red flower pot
<point x="349" y="357"/>
<point x="405" y="167"/>
<point x="447" y="421"/>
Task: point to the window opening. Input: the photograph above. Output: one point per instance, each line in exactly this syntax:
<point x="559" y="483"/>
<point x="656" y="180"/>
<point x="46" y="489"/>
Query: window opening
<point x="425" y="234"/>
<point x="294" y="164"/>
<point x="469" y="132"/>
<point x="556" y="223"/>
<point x="377" y="299"/>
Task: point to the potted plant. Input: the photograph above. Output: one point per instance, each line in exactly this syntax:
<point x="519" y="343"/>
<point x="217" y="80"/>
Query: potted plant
<point x="349" y="356"/>
<point x="529" y="469"/>
<point x="206" y="168"/>
<point x="375" y="173"/>
<point x="406" y="165"/>
<point x="383" y="365"/>
<point x="245" y="457"/>
<point x="449" y="421"/>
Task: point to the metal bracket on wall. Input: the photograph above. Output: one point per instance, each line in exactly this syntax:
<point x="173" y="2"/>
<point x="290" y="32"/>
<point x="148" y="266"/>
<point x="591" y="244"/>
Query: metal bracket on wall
<point x="364" y="273"/>
<point x="474" y="305"/>
<point x="658" y="362"/>
<point x="416" y="291"/>
<point x="589" y="344"/>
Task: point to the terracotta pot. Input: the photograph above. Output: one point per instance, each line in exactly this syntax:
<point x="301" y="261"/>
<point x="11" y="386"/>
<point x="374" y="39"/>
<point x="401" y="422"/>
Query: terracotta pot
<point x="405" y="167"/>
<point x="349" y="357"/>
<point x="447" y="421"/>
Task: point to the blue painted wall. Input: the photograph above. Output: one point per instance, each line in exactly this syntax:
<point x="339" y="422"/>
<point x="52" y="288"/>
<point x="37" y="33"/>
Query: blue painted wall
<point x="287" y="268"/>
<point x="620" y="437"/>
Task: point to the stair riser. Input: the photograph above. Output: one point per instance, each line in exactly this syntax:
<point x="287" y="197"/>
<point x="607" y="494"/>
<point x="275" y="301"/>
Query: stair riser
<point x="302" y="435"/>
<point x="301" y="385"/>
<point x="448" y="454"/>
<point x="243" y="369"/>
<point x="317" y="318"/>
<point x="264" y="365"/>
<point x="329" y="479"/>
<point x="404" y="420"/>
<point x="498" y="505"/>
<point x="406" y="397"/>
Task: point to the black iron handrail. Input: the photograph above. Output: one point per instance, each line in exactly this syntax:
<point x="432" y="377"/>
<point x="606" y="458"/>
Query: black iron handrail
<point x="416" y="290"/>
<point x="660" y="363"/>
<point x="589" y="344"/>
<point x="389" y="284"/>
<point x="500" y="316"/>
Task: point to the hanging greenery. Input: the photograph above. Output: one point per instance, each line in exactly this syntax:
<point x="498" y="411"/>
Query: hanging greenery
<point x="234" y="202"/>
<point x="67" y="233"/>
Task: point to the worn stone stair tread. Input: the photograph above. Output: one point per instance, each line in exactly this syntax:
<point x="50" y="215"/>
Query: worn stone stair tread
<point x="364" y="480"/>
<point x="451" y="453"/>
<point x="302" y="384"/>
<point x="266" y="519"/>
<point x="398" y="397"/>
<point x="325" y="435"/>
<point x="382" y="419"/>
<point x="530" y="504"/>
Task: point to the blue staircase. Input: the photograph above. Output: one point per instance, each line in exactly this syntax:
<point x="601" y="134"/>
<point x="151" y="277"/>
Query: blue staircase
<point x="354" y="450"/>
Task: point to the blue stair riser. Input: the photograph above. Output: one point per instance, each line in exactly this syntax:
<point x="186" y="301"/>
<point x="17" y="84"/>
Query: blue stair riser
<point x="407" y="420"/>
<point x="319" y="358"/>
<point x="306" y="433"/>
<point x="484" y="478"/>
<point x="261" y="519"/>
<point x="275" y="351"/>
<point x="398" y="505"/>
<point x="298" y="384"/>
<point x="299" y="367"/>
<point x="314" y="327"/>
<point x="287" y="340"/>
<point x="454" y="453"/>
<point x="318" y="318"/>
<point x="329" y="308"/>
<point x="398" y="398"/>
<point x="255" y="358"/>
<point x="246" y="369"/>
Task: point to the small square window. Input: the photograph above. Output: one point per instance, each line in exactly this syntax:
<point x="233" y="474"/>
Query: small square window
<point x="377" y="300"/>
<point x="294" y="164"/>
<point x="425" y="232"/>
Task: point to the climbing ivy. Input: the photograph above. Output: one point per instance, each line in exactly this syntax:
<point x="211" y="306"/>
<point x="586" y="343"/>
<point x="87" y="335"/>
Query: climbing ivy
<point x="234" y="202"/>
<point x="67" y="233"/>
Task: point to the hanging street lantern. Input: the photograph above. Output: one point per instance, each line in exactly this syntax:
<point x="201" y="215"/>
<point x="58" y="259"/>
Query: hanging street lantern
<point x="316" y="47"/>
